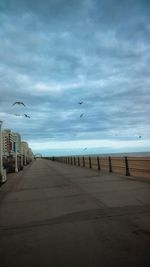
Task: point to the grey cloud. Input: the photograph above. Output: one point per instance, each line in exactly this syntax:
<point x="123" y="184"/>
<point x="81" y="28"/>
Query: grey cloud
<point x="117" y="13"/>
<point x="53" y="10"/>
<point x="92" y="52"/>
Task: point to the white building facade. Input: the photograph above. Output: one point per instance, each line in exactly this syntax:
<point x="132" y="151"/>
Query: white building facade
<point x="10" y="142"/>
<point x="7" y="143"/>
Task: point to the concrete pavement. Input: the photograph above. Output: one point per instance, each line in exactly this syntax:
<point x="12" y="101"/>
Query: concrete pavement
<point x="53" y="214"/>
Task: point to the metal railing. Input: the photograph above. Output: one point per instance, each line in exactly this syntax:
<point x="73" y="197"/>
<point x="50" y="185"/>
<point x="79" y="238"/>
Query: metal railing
<point x="129" y="166"/>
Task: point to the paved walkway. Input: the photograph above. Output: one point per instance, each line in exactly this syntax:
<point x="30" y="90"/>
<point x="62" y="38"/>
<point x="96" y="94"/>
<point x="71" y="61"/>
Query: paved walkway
<point x="53" y="214"/>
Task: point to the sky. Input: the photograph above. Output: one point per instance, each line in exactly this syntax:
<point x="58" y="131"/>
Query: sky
<point x="57" y="53"/>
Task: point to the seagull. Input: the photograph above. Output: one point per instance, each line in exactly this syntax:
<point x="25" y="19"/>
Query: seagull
<point x="81" y="115"/>
<point x="27" y="116"/>
<point x="80" y="103"/>
<point x="18" y="103"/>
<point x="85" y="148"/>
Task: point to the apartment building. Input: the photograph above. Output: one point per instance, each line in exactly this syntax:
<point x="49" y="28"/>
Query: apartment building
<point x="11" y="142"/>
<point x="30" y="153"/>
<point x="24" y="149"/>
<point x="17" y="143"/>
<point x="7" y="142"/>
<point x="13" y="150"/>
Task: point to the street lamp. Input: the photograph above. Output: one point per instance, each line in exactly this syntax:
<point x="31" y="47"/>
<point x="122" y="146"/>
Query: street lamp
<point x="15" y="149"/>
<point x="21" y="157"/>
<point x="25" y="156"/>
<point x="1" y="151"/>
<point x="2" y="171"/>
<point x="16" y="158"/>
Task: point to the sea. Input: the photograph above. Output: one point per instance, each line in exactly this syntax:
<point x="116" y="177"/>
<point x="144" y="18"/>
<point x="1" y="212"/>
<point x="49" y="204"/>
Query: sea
<point x="129" y="154"/>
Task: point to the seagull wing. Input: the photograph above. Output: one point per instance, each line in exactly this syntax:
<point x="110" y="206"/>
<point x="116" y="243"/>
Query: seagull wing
<point x="21" y="103"/>
<point x="27" y="116"/>
<point x="81" y="115"/>
<point x="14" y="103"/>
<point x="18" y="103"/>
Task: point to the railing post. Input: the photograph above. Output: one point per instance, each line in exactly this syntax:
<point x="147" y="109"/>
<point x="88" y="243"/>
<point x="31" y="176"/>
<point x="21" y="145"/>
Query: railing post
<point x="78" y="161"/>
<point x="127" y="167"/>
<point x="71" y="161"/>
<point x="83" y="162"/>
<point x="110" y="166"/>
<point x="90" y="165"/>
<point x="74" y="161"/>
<point x="98" y="163"/>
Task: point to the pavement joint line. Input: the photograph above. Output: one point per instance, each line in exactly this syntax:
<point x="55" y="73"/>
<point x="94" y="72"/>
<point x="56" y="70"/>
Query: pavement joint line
<point x="44" y="199"/>
<point x="41" y="188"/>
<point x="85" y="215"/>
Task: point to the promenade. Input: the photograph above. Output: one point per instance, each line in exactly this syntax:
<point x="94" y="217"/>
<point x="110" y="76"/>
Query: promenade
<point x="57" y="215"/>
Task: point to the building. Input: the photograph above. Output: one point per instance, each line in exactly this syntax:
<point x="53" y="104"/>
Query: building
<point x="31" y="156"/>
<point x="17" y="143"/>
<point x="14" y="152"/>
<point x="24" y="149"/>
<point x="26" y="152"/>
<point x="7" y="143"/>
<point x="11" y="142"/>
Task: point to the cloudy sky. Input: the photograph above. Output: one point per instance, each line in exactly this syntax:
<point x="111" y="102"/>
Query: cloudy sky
<point x="56" y="53"/>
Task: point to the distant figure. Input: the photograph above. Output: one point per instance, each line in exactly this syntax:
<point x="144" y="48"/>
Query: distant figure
<point x="81" y="115"/>
<point x="80" y="103"/>
<point x="85" y="148"/>
<point x="18" y="103"/>
<point x="27" y="116"/>
<point x="140" y="136"/>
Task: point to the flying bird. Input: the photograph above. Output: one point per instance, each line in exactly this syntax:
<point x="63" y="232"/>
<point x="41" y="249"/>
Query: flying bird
<point x="85" y="148"/>
<point x="18" y="103"/>
<point x="27" y="116"/>
<point x="80" y="103"/>
<point x="81" y="115"/>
